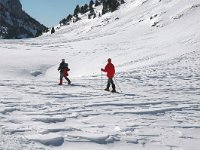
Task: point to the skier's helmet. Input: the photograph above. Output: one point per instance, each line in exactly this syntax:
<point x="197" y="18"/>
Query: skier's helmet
<point x="63" y="60"/>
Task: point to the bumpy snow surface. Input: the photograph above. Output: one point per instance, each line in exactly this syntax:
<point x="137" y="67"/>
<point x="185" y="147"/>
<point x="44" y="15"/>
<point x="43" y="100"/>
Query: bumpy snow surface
<point x="155" y="46"/>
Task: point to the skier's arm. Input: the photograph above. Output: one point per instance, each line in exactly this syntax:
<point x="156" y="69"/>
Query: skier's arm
<point x="105" y="69"/>
<point x="59" y="67"/>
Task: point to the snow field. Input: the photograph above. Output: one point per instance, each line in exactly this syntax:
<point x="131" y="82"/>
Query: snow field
<point x="154" y="113"/>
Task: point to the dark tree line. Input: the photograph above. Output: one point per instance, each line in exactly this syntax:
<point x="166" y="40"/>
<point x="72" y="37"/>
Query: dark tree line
<point x="108" y="6"/>
<point x="111" y="5"/>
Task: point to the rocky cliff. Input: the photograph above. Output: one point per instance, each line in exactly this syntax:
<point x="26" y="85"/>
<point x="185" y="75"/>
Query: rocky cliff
<point x="16" y="23"/>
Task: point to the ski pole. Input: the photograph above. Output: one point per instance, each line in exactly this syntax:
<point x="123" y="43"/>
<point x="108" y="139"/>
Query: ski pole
<point x="117" y="85"/>
<point x="101" y="79"/>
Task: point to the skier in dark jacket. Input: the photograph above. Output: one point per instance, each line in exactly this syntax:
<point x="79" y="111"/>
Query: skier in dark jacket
<point x="110" y="69"/>
<point x="63" y="68"/>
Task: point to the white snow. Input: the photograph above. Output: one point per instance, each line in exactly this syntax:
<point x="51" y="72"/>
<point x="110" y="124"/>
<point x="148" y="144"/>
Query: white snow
<point x="155" y="46"/>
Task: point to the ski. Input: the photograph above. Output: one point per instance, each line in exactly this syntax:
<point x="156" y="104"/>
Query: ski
<point x="113" y="92"/>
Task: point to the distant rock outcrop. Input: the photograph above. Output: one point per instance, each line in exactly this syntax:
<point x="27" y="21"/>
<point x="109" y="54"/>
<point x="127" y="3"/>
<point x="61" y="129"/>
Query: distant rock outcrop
<point x="16" y="23"/>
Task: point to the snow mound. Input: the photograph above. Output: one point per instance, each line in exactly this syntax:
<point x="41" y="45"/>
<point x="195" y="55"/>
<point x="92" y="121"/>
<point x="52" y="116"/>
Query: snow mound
<point x="57" y="141"/>
<point x="51" y="119"/>
<point x="100" y="139"/>
<point x="9" y="110"/>
<point x="36" y="73"/>
<point x="47" y="131"/>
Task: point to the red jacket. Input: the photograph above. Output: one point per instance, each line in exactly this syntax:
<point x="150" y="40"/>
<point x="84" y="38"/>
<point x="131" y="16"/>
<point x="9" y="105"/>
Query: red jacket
<point x="110" y="69"/>
<point x="65" y="72"/>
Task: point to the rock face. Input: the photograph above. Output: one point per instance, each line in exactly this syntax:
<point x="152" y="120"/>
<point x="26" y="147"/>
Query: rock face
<point x="15" y="23"/>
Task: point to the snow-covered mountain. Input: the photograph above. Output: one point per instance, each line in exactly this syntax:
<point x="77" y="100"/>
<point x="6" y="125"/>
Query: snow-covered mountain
<point x="154" y="45"/>
<point x="15" y="23"/>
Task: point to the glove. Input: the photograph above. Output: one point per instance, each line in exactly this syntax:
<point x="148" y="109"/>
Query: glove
<point x="102" y="69"/>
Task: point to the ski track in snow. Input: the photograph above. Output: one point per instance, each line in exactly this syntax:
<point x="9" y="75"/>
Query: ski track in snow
<point x="154" y="111"/>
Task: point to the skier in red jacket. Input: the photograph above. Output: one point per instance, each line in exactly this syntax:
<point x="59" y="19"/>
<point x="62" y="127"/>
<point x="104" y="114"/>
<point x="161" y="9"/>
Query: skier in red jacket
<point x="110" y="70"/>
<point x="63" y="68"/>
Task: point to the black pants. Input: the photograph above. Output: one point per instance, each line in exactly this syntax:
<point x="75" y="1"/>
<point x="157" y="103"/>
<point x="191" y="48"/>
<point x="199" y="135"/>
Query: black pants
<point x="62" y="75"/>
<point x="110" y="81"/>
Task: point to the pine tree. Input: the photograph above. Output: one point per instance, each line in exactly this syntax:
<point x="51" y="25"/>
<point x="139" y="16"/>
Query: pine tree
<point x="91" y="6"/>
<point x="113" y="5"/>
<point x="122" y="1"/>
<point x="110" y="5"/>
<point x="63" y="21"/>
<point x="86" y="8"/>
<point x="69" y="18"/>
<point x="97" y="3"/>
<point x="82" y="10"/>
<point x="95" y="15"/>
<point x="77" y="10"/>
<point x="105" y="7"/>
<point x="52" y="30"/>
<point x="66" y="20"/>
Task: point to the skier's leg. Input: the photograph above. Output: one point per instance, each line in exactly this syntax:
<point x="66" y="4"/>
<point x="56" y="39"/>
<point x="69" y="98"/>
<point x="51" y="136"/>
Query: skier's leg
<point x="108" y="85"/>
<point x="69" y="82"/>
<point x="61" y="78"/>
<point x="113" y="85"/>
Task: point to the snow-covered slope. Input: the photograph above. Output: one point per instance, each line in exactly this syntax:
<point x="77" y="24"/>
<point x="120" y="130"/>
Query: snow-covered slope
<point x="154" y="45"/>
